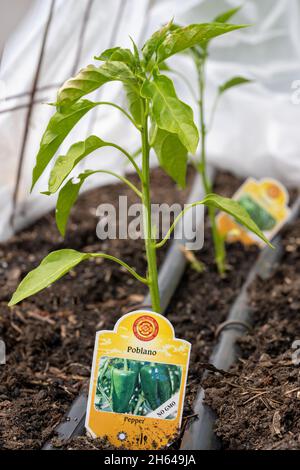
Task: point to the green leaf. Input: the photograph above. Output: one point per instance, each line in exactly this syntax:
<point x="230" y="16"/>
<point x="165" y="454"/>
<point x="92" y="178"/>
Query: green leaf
<point x="69" y="193"/>
<point x="190" y="36"/>
<point x="164" y="67"/>
<point x="66" y="163"/>
<point x="117" y="54"/>
<point x="151" y="46"/>
<point x="91" y="78"/>
<point x="131" y="88"/>
<point x="172" y="155"/>
<point x="234" y="209"/>
<point x="56" y="265"/>
<point x="61" y="123"/>
<point x="226" y="15"/>
<point x="67" y="198"/>
<point x="134" y="102"/>
<point x="52" y="268"/>
<point x="169" y="113"/>
<point x="235" y="81"/>
<point x="135" y="52"/>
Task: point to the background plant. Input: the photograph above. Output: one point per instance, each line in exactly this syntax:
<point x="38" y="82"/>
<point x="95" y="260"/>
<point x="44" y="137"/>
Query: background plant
<point x="152" y="101"/>
<point x="200" y="55"/>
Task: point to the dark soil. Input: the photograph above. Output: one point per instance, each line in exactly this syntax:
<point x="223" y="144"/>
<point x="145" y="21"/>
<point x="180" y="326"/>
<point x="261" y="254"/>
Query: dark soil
<point x="259" y="407"/>
<point x="50" y="337"/>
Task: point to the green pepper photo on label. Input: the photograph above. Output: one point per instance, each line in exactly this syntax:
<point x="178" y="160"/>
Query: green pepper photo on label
<point x="136" y="387"/>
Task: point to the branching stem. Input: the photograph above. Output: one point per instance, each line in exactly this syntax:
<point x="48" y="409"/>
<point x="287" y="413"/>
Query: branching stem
<point x="177" y="219"/>
<point x="121" y="178"/>
<point x="122" y="263"/>
<point x="108" y="103"/>
<point x="130" y="158"/>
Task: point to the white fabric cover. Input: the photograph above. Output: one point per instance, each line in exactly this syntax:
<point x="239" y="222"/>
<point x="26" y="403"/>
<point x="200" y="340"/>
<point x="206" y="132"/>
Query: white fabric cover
<point x="256" y="127"/>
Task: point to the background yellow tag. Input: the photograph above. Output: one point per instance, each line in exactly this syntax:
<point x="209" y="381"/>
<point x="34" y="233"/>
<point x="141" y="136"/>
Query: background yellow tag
<point x="138" y="382"/>
<point x="266" y="201"/>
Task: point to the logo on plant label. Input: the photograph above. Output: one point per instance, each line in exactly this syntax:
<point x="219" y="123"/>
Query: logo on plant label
<point x="145" y="328"/>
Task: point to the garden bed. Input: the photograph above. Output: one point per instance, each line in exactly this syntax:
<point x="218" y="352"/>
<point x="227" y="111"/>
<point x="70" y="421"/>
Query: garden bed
<point x="257" y="405"/>
<point x="50" y="337"/>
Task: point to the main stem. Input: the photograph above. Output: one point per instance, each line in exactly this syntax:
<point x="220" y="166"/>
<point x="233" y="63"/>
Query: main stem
<point x="219" y="247"/>
<point x="146" y="201"/>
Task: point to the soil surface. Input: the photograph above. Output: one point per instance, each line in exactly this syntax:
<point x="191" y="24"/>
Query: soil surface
<point x="258" y="407"/>
<point x="50" y="336"/>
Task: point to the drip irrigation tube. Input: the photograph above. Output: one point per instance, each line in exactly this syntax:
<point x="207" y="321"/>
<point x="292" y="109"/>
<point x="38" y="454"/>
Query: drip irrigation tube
<point x="169" y="278"/>
<point x="200" y="435"/>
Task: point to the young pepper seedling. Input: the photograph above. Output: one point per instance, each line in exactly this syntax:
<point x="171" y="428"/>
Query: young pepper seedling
<point x="151" y="98"/>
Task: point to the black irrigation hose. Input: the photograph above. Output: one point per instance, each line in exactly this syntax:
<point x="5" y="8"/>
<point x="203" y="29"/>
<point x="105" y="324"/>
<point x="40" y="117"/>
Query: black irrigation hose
<point x="200" y="435"/>
<point x="170" y="275"/>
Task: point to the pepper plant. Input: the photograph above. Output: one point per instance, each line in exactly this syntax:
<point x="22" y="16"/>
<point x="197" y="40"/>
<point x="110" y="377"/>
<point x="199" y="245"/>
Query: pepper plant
<point x="200" y="54"/>
<point x="151" y="100"/>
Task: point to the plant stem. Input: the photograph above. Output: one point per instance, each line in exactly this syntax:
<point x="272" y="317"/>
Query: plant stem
<point x="218" y="241"/>
<point x="130" y="157"/>
<point x="202" y="164"/>
<point x="146" y="201"/>
<point x="119" y="177"/>
<point x="108" y="103"/>
<point x="121" y="263"/>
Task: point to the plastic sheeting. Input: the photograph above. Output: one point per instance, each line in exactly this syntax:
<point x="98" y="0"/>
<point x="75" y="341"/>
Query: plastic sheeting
<point x="256" y="127"/>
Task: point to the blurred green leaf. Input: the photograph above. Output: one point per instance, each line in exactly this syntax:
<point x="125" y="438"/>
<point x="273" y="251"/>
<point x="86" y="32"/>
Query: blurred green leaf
<point x="235" y="81"/>
<point x="226" y="15"/>
<point x="234" y="209"/>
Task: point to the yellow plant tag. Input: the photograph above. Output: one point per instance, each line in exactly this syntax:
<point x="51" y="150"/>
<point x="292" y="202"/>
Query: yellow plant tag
<point x="266" y="201"/>
<point x="138" y="382"/>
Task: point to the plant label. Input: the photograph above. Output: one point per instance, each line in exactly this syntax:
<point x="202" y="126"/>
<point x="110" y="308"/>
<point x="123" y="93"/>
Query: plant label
<point x="266" y="201"/>
<point x="138" y="381"/>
